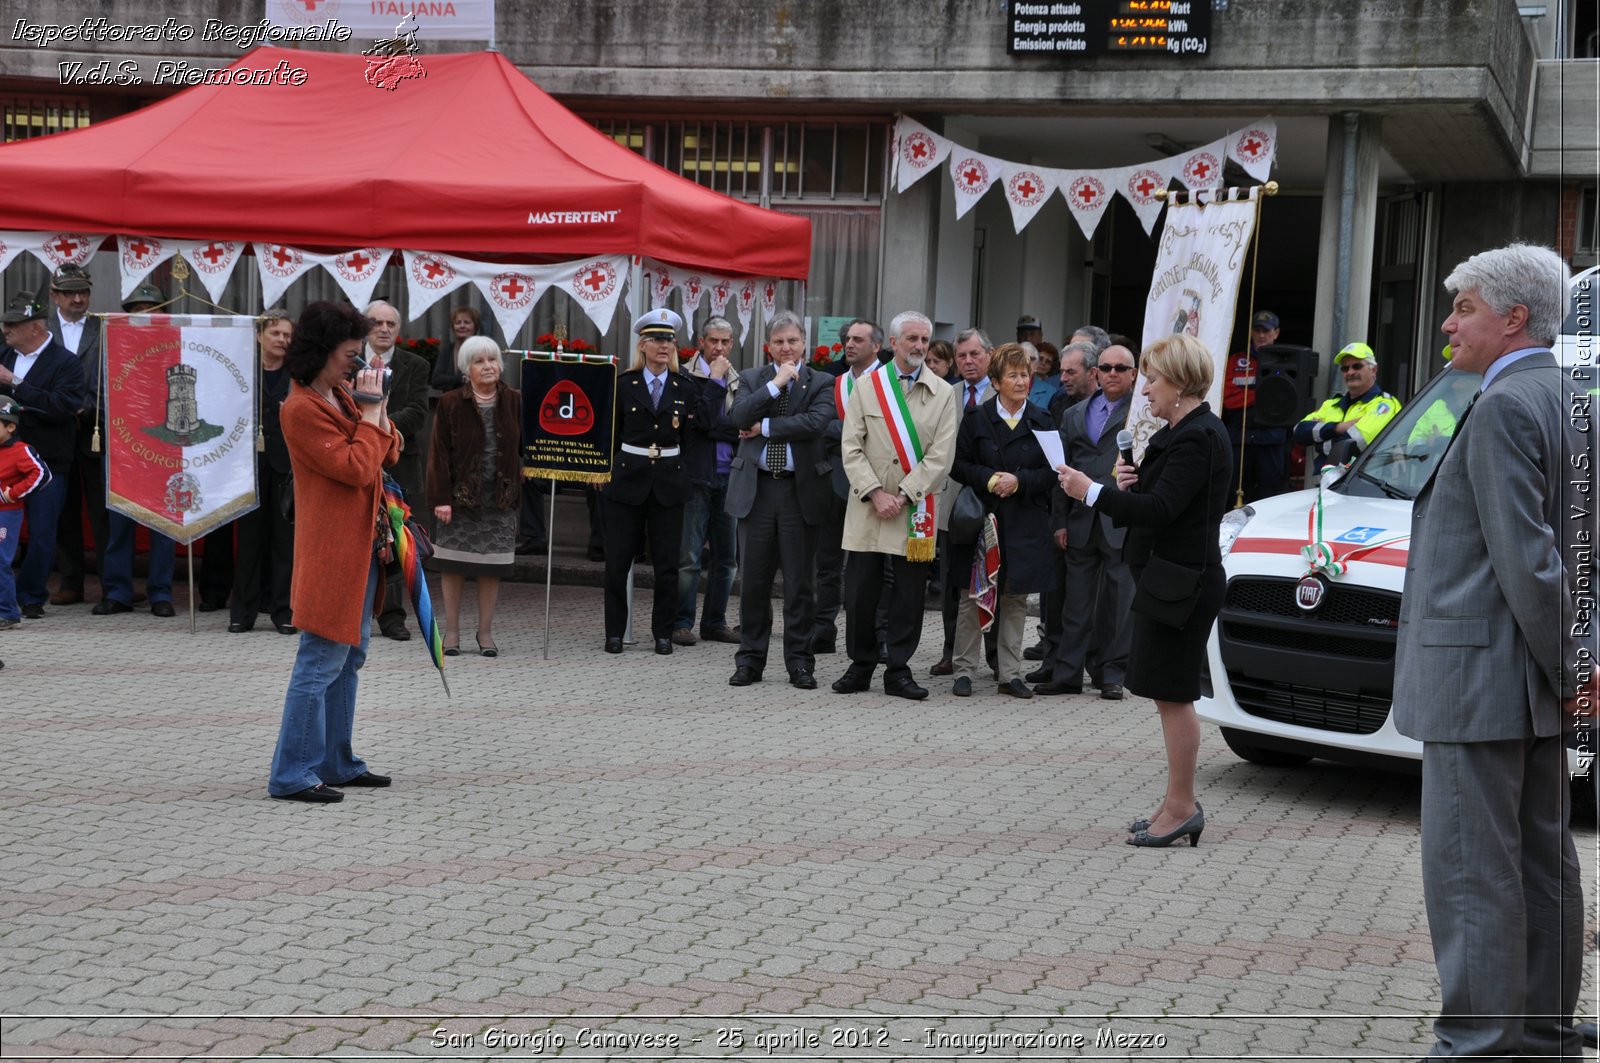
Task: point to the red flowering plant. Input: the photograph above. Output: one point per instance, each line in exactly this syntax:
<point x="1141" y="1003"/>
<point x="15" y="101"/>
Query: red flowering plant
<point x="549" y="341"/>
<point x="427" y="348"/>
<point x="824" y="355"/>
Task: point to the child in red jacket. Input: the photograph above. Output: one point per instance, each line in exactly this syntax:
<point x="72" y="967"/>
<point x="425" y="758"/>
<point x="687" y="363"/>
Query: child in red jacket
<point x="21" y="471"/>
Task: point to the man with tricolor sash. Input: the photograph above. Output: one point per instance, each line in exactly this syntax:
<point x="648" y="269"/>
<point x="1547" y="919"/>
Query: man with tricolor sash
<point x="897" y="444"/>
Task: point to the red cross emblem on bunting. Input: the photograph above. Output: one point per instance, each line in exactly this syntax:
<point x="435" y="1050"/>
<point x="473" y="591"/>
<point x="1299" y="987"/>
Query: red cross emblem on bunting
<point x="1202" y="168"/>
<point x="919" y="150"/>
<point x="432" y="273"/>
<point x="1143" y="186"/>
<point x="972" y="174"/>
<point x="1254" y="144"/>
<point x="595" y="282"/>
<point x="1026" y="188"/>
<point x="1086" y="193"/>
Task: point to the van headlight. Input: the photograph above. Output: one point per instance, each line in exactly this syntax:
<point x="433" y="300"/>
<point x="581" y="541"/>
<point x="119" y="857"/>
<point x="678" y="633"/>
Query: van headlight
<point x="1233" y="523"/>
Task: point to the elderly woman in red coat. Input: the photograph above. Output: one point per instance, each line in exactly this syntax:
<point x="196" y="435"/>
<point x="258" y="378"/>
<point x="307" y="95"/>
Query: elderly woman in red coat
<point x="339" y="441"/>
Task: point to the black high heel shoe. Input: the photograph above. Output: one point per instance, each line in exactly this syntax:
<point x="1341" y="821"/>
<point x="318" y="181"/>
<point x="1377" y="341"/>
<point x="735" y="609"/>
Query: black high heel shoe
<point x="1189" y="828"/>
<point x="491" y="650"/>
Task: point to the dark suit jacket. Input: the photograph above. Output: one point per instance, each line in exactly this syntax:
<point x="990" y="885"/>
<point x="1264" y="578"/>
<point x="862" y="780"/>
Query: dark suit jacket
<point x="1096" y="459"/>
<point x="832" y="435"/>
<point x="408" y="398"/>
<point x="986" y="445"/>
<point x="700" y="443"/>
<point x="1175" y="508"/>
<point x="635" y="477"/>
<point x="274" y="390"/>
<point x="810" y="411"/>
<point x="51" y="397"/>
<point x="88" y="351"/>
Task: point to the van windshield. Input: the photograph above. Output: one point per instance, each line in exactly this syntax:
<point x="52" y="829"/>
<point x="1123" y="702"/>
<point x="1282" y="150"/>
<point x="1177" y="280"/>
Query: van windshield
<point x="1405" y="453"/>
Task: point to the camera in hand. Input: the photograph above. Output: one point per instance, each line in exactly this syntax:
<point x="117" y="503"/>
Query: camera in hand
<point x="366" y="396"/>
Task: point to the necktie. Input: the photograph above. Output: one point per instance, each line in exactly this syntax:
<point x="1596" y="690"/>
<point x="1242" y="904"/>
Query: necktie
<point x="1096" y="420"/>
<point x="777" y="453"/>
<point x="655" y="393"/>
<point x="972" y="396"/>
<point x="905" y="378"/>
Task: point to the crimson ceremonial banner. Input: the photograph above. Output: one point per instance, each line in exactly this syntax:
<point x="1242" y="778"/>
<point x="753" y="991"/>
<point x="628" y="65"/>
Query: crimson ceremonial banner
<point x="180" y="408"/>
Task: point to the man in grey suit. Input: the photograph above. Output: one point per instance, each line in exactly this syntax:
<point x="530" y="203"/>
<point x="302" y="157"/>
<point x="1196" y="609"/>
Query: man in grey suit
<point x="1098" y="587"/>
<point x="1487" y="670"/>
<point x="778" y="490"/>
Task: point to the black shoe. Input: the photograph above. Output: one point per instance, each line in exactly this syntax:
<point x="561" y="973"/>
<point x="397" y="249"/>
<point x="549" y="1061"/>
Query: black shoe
<point x="962" y="687"/>
<point x="802" y="679"/>
<point x="106" y="607"/>
<point x="285" y="629"/>
<point x="397" y="630"/>
<point x="827" y="645"/>
<point x="1053" y="688"/>
<point x="530" y="546"/>
<point x="320" y="794"/>
<point x="743" y="677"/>
<point x="237" y="628"/>
<point x="1034" y="652"/>
<point x="663" y="646"/>
<point x="1039" y="675"/>
<point x="1590" y="1034"/>
<point x="853" y="681"/>
<point x="210" y="603"/>
<point x="905" y="687"/>
<point x="162" y="609"/>
<point x="613" y="645"/>
<point x="1190" y="828"/>
<point x="366" y="778"/>
<point x="34" y="611"/>
<point x="596" y="554"/>
<point x="1111" y="692"/>
<point x="1016" y="688"/>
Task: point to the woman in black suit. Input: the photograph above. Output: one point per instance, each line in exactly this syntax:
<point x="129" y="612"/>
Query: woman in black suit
<point x="999" y="458"/>
<point x="1173" y="504"/>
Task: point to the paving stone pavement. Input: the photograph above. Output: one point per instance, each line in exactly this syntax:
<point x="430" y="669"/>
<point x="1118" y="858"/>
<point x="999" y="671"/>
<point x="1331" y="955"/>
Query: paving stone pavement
<point x="598" y="855"/>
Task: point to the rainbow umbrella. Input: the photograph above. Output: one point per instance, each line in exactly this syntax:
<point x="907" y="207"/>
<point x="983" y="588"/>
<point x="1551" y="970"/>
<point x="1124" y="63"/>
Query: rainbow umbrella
<point x="411" y="549"/>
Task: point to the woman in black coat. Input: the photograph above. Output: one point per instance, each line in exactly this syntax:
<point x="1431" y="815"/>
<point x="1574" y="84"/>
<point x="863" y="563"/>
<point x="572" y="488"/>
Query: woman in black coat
<point x="1173" y="505"/>
<point x="999" y="458"/>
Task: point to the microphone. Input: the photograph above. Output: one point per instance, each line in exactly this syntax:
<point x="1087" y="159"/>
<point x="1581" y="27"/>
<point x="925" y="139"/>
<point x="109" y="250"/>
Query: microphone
<point x="1125" y="446"/>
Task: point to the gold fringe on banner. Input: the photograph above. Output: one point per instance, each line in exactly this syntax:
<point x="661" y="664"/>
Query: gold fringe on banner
<point x="568" y="475"/>
<point x="920" y="549"/>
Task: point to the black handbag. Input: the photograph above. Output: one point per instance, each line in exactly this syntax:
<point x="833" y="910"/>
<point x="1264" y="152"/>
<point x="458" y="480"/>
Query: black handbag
<point x="1167" y="592"/>
<point x="966" y="517"/>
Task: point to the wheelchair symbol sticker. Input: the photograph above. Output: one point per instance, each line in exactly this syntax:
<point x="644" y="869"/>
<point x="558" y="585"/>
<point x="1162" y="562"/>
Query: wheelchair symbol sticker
<point x="1359" y="535"/>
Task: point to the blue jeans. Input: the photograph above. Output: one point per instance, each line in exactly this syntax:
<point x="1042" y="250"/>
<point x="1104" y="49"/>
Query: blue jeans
<point x="706" y="514"/>
<point x="117" y="580"/>
<point x="10" y="529"/>
<point x="319" y="710"/>
<point x="43" y="510"/>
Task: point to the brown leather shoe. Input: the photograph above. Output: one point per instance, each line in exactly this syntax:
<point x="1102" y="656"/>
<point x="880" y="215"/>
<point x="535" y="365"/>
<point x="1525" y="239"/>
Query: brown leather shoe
<point x="944" y="667"/>
<point x="684" y="637"/>
<point x="67" y="598"/>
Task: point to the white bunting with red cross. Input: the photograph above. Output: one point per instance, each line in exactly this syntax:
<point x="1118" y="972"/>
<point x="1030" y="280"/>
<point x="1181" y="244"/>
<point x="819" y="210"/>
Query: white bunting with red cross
<point x="1202" y="167"/>
<point x="357" y="272"/>
<point x="746" y="306"/>
<point x="1139" y="185"/>
<point x="1254" y="148"/>
<point x="429" y="278"/>
<point x="138" y="255"/>
<point x="181" y="413"/>
<point x="721" y="291"/>
<point x="511" y="291"/>
<point x="280" y="266"/>
<point x="596" y="284"/>
<point x="661" y="284"/>
<point x="693" y="286"/>
<point x="1088" y="193"/>
<point x="1027" y="188"/>
<point x="972" y="173"/>
<point x="212" y="261"/>
<point x="769" y="297"/>
<point x="918" y="151"/>
<point x="56" y="249"/>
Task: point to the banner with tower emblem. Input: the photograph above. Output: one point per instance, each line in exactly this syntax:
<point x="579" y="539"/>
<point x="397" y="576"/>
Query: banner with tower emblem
<point x="181" y="420"/>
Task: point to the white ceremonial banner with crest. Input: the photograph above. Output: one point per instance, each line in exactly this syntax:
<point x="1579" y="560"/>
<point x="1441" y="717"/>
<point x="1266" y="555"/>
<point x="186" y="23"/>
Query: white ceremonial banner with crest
<point x="181" y="417"/>
<point x="1194" y="291"/>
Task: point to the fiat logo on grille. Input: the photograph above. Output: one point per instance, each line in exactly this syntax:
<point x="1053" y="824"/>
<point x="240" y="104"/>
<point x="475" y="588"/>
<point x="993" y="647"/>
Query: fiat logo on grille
<point x="1309" y="593"/>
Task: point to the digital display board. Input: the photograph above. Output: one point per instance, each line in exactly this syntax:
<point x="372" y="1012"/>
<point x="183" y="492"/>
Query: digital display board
<point x="1109" y="27"/>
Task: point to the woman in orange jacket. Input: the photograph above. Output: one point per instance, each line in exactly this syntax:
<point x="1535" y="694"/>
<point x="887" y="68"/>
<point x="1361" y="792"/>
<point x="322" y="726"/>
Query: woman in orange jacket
<point x="339" y="441"/>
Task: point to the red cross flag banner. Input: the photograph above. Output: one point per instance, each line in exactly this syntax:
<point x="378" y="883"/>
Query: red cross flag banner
<point x="1139" y="185"/>
<point x="212" y="260"/>
<point x="1195" y="287"/>
<point x="769" y="298"/>
<point x="746" y="306"/>
<point x="918" y="151"/>
<point x="429" y="278"/>
<point x="972" y="173"/>
<point x="1088" y="193"/>
<point x="1202" y="167"/>
<point x="356" y="271"/>
<point x="661" y="285"/>
<point x="1255" y="147"/>
<point x="181" y="418"/>
<point x="693" y="286"/>
<point x="596" y="285"/>
<point x="53" y="249"/>
<point x="1027" y="189"/>
<point x="721" y="291"/>
<point x="567" y="414"/>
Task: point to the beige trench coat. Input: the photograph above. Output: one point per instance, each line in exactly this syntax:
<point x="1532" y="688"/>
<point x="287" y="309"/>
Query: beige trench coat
<point x="871" y="462"/>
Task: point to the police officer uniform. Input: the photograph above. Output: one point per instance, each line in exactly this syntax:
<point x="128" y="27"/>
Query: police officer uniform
<point x="1371" y="411"/>
<point x="649" y="483"/>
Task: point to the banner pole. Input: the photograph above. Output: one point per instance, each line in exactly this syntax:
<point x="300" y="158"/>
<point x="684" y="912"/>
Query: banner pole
<point x="549" y="563"/>
<point x="188" y="550"/>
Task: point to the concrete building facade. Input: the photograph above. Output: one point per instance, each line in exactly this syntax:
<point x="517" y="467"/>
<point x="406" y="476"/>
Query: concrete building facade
<point x="1411" y="133"/>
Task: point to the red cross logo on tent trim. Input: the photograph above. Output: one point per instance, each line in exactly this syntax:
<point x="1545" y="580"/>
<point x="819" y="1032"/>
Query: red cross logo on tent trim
<point x="1145" y="187"/>
<point x="595" y="280"/>
<point x="139" y="248"/>
<point x="973" y="176"/>
<point x="1087" y="193"/>
<point x="282" y="255"/>
<point x="358" y="262"/>
<point x="432" y="267"/>
<point x="1201" y="169"/>
<point x="68" y="247"/>
<point x="1251" y="147"/>
<point x="512" y="288"/>
<point x="1027" y="188"/>
<point x="215" y="254"/>
<point x="918" y="148"/>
